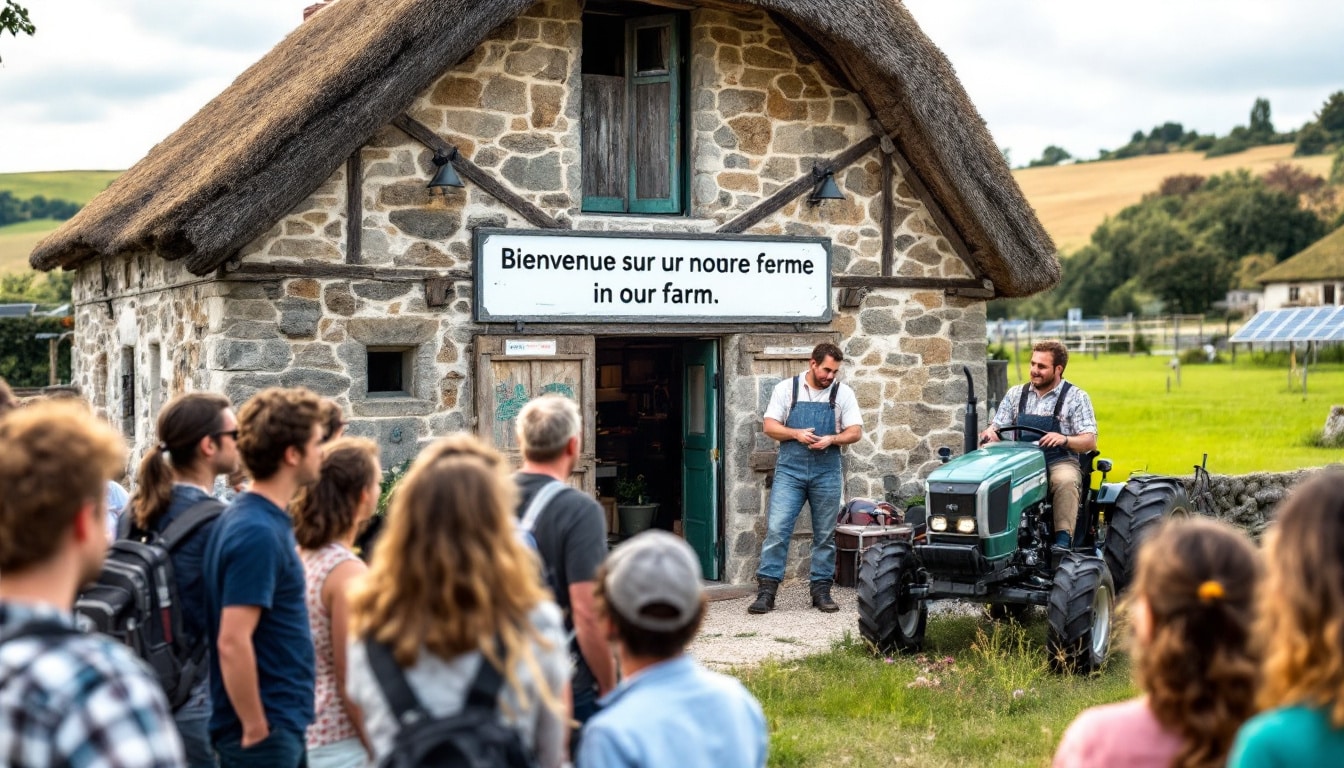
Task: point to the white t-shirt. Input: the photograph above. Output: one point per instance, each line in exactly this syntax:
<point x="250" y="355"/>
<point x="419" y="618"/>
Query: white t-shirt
<point x="846" y="404"/>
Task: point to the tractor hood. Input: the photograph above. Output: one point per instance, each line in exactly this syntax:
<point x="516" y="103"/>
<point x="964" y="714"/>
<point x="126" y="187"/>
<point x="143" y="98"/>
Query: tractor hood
<point x="1020" y="460"/>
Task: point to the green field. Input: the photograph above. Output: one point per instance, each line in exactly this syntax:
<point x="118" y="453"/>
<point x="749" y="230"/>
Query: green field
<point x="1244" y="416"/>
<point x="18" y="240"/>
<point x="75" y="186"/>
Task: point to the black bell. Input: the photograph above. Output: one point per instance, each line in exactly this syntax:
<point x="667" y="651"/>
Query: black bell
<point x="446" y="176"/>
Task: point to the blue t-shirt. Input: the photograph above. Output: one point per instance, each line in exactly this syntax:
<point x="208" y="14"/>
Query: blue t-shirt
<point x="1288" y="737"/>
<point x="251" y="560"/>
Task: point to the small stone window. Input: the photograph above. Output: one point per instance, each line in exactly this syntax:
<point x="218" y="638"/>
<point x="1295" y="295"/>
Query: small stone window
<point x="389" y="371"/>
<point x="1294" y="293"/>
<point x="633" y="145"/>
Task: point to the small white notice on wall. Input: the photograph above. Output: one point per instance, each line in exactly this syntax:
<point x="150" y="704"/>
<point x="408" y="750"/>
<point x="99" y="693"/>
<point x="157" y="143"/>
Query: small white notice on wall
<point x="529" y="347"/>
<point x="546" y="276"/>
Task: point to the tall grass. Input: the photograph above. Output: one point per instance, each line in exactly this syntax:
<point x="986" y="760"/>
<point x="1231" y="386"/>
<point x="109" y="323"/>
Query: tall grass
<point x="980" y="695"/>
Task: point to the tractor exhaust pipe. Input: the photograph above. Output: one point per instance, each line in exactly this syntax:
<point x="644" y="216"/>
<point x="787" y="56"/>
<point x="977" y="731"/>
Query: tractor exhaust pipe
<point x="970" y="433"/>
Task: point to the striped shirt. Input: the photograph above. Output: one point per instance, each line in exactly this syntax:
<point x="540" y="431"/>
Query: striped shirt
<point x="78" y="700"/>
<point x="1077" y="417"/>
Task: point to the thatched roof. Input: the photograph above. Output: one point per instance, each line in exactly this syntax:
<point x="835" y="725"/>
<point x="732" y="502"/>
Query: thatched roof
<point x="1322" y="260"/>
<point x="290" y="120"/>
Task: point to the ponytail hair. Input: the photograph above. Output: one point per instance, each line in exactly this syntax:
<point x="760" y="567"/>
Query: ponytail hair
<point x="183" y="422"/>
<point x="1198" y="667"/>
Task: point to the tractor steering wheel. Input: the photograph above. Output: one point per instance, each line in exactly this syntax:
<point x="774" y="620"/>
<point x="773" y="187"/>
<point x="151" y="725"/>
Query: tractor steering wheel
<point x="1022" y="428"/>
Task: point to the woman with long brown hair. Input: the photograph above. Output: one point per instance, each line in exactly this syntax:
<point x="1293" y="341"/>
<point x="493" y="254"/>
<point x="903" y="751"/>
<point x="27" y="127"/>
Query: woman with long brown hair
<point x="451" y="587"/>
<point x="1191" y="612"/>
<point x="327" y="517"/>
<point x="197" y="441"/>
<point x="1301" y="632"/>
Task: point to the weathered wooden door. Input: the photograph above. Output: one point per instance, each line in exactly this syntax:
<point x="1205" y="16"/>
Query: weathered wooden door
<point x="510" y="372"/>
<point x="700" y="452"/>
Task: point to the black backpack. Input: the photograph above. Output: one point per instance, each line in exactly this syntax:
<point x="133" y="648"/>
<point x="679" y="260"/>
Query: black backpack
<point x="472" y="738"/>
<point x="135" y="601"/>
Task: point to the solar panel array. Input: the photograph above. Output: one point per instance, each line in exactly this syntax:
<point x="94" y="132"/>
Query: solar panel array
<point x="1299" y="324"/>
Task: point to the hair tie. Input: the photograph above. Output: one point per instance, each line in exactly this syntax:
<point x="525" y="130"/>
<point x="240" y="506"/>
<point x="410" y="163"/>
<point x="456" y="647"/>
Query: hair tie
<point x="1211" y="590"/>
<point x="163" y="447"/>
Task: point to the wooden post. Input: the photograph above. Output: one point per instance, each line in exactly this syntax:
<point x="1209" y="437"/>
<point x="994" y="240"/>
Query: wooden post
<point x="53" y="378"/>
<point x="1129" y="318"/>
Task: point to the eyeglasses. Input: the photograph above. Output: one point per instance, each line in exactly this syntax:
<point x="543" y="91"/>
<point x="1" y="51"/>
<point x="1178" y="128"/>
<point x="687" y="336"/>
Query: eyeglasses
<point x="230" y="433"/>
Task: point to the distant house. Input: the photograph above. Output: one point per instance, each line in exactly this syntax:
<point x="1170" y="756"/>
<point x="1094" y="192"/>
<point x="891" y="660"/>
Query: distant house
<point x="1244" y="301"/>
<point x="641" y="230"/>
<point x="1312" y="278"/>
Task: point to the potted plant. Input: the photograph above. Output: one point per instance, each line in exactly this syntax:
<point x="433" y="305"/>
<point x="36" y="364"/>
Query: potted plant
<point x="633" y="507"/>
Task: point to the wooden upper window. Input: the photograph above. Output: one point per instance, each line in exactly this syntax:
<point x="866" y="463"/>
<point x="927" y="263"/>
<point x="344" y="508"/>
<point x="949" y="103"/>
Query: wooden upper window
<point x="631" y="122"/>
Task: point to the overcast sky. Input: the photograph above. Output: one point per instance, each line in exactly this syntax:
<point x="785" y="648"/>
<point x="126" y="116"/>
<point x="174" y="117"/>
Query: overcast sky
<point x="104" y="80"/>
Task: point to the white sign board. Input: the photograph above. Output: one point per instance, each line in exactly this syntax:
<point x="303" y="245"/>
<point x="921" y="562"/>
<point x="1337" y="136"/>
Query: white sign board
<point x="549" y="276"/>
<point x="529" y="347"/>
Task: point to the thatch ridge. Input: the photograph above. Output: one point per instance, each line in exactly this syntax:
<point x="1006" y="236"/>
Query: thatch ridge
<point x="1322" y="260"/>
<point x="289" y="121"/>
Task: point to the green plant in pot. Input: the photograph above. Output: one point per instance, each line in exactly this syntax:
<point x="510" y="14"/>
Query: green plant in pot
<point x="633" y="507"/>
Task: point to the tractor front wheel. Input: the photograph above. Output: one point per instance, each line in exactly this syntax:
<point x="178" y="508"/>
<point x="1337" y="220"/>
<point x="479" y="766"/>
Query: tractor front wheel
<point x="1141" y="505"/>
<point x="889" y="618"/>
<point x="1079" y="614"/>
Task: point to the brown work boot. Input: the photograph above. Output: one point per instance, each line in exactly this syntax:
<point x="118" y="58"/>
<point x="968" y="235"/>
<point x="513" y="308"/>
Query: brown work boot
<point x="765" y="595"/>
<point x="821" y="597"/>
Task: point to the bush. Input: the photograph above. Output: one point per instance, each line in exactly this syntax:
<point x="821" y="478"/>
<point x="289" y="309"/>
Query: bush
<point x="1197" y="356"/>
<point x="1141" y="345"/>
<point x="1000" y="353"/>
<point x="25" y="359"/>
<point x="1228" y="145"/>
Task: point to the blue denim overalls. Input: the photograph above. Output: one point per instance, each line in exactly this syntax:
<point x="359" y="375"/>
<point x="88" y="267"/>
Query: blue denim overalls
<point x="1044" y="423"/>
<point x="802" y="474"/>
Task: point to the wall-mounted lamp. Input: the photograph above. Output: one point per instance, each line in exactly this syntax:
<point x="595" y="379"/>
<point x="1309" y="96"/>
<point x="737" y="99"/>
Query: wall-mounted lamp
<point x="445" y="176"/>
<point x="826" y="188"/>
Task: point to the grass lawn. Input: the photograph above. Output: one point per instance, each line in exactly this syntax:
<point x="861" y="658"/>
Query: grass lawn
<point x="1244" y="416"/>
<point x="18" y="240"/>
<point x="980" y="695"/>
<point x="75" y="186"/>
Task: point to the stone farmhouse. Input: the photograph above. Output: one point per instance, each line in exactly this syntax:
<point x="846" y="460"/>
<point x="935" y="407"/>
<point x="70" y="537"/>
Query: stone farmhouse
<point x="667" y="204"/>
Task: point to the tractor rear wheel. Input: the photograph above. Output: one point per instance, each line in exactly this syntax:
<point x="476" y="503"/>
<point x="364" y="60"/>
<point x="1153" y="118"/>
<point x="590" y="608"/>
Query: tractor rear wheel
<point x="1141" y="505"/>
<point x="1079" y="614"/>
<point x="888" y="619"/>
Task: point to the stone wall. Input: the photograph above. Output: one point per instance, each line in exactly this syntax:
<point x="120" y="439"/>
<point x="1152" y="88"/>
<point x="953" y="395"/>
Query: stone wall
<point x="1248" y="501"/>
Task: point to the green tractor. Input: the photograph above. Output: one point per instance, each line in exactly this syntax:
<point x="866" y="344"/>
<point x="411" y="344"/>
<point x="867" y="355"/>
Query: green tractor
<point x="987" y="517"/>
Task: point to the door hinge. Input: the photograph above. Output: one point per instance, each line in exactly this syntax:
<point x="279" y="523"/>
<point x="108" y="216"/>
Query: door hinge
<point x="714" y="455"/>
<point x="718" y="379"/>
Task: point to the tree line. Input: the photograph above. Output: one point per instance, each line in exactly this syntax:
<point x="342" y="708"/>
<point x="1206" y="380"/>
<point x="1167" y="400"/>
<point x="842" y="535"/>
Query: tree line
<point x="1184" y="246"/>
<point x="1323" y="134"/>
<point x="14" y="209"/>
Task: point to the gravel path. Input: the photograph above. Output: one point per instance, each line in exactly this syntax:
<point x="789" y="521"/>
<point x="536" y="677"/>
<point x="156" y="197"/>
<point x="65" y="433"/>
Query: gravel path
<point x="731" y="637"/>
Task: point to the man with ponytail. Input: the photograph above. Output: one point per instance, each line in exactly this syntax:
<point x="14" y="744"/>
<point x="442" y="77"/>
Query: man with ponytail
<point x="197" y="442"/>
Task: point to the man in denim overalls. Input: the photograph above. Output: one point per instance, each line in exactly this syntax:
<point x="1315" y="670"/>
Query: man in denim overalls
<point x="811" y="415"/>
<point x="1064" y="413"/>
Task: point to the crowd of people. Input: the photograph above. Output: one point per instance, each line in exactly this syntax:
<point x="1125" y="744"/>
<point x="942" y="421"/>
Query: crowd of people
<point x="489" y="617"/>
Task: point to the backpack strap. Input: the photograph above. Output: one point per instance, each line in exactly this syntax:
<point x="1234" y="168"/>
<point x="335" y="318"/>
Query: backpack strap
<point x="796" y="379"/>
<point x="197" y="514"/>
<point x="539" y="502"/>
<point x="1063" y="393"/>
<point x="392" y="680"/>
<point x="835" y="390"/>
<point x="37" y="628"/>
<point x="484" y="692"/>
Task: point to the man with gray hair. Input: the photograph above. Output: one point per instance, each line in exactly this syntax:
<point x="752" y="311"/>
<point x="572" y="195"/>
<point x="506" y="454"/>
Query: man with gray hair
<point x="668" y="711"/>
<point x="570" y="529"/>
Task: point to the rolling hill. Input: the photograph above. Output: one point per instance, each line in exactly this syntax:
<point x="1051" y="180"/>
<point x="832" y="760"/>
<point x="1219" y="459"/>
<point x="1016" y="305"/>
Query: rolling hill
<point x="18" y="240"/>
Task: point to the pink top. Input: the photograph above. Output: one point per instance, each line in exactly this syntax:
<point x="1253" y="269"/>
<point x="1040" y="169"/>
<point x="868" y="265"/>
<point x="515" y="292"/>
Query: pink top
<point x="1125" y="733"/>
<point x="331" y="724"/>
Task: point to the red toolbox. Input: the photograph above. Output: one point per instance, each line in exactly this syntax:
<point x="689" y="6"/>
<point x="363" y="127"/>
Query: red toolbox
<point x="851" y="541"/>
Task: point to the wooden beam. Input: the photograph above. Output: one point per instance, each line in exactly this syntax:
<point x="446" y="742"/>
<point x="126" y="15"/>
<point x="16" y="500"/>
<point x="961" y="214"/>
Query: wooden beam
<point x="475" y="174"/>
<point x="784" y="195"/>
<point x="354" y="208"/>
<point x="888" y="214"/>
<point x="317" y="268"/>
<point x="980" y="289"/>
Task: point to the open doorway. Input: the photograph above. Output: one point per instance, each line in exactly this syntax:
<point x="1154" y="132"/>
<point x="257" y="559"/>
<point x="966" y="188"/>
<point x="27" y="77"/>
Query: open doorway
<point x="657" y="437"/>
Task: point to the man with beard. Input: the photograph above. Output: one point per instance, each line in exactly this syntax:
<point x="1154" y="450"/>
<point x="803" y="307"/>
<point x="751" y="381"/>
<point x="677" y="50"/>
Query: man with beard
<point x="1064" y="413"/>
<point x="66" y="698"/>
<point x="262" y="664"/>
<point x="811" y="415"/>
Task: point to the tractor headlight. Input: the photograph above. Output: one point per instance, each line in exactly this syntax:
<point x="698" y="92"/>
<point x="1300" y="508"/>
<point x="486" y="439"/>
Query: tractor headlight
<point x="938" y="523"/>
<point x="965" y="525"/>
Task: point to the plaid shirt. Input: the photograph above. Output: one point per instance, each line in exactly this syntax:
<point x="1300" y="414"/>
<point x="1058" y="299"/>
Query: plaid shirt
<point x="79" y="701"/>
<point x="1076" y="418"/>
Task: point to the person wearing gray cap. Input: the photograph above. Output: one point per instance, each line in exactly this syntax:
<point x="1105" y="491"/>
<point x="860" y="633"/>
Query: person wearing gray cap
<point x="668" y="710"/>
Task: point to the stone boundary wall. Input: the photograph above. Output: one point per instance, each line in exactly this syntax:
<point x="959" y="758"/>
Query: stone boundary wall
<point x="1248" y="501"/>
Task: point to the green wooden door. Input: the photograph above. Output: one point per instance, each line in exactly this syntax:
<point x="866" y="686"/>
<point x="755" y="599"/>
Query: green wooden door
<point x="700" y="452"/>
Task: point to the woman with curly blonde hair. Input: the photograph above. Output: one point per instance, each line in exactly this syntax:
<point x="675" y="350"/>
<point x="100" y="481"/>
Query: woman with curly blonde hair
<point x="1301" y="631"/>
<point x="1192" y="612"/>
<point x="451" y="586"/>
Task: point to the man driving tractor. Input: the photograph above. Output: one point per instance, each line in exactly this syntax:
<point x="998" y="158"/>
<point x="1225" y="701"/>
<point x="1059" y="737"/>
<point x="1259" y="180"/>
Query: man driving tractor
<point x="1064" y="413"/>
